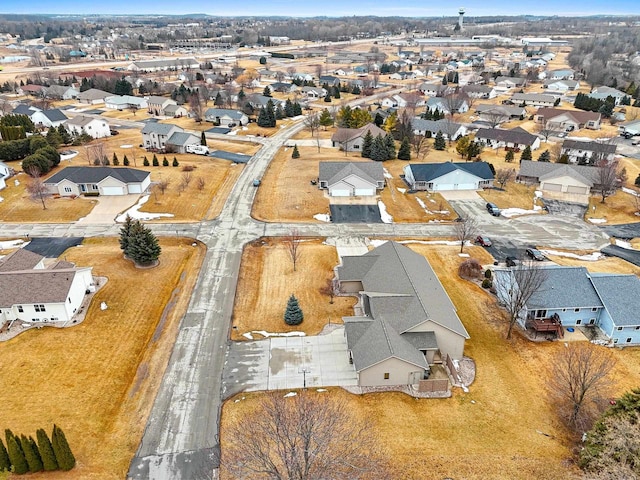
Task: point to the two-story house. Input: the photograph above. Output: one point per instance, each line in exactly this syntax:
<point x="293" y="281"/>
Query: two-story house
<point x="155" y="135"/>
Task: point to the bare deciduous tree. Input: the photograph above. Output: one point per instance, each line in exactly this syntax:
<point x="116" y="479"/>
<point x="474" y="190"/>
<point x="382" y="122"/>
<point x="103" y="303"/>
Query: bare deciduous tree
<point x="312" y="122"/>
<point x="515" y="288"/>
<point x="292" y="244"/>
<point x="96" y="154"/>
<point x="196" y="106"/>
<point x="201" y="183"/>
<point x="420" y="146"/>
<point x="465" y="228"/>
<point x="301" y="438"/>
<point x="162" y="185"/>
<point x="36" y="188"/>
<point x="494" y="117"/>
<point x="606" y="178"/>
<point x="580" y="382"/>
<point x="504" y="176"/>
<point x="454" y="102"/>
<point x="329" y="289"/>
<point x="545" y="130"/>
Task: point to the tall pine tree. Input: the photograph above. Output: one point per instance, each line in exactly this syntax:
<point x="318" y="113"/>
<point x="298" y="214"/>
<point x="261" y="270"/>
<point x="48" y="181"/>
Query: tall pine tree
<point x="378" y="149"/>
<point x="5" y="463"/>
<point x="440" y="143"/>
<point x="31" y="454"/>
<point x="46" y="451"/>
<point x="125" y="234"/>
<point x="16" y="456"/>
<point x="367" y="142"/>
<point x="526" y="154"/>
<point x="389" y="147"/>
<point x="143" y="247"/>
<point x="203" y="139"/>
<point x="64" y="455"/>
<point x="404" y="153"/>
<point x="293" y="314"/>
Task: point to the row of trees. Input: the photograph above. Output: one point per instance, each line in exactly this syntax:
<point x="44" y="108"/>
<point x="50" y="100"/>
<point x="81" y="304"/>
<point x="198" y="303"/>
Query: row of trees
<point x="24" y="455"/>
<point x="138" y="243"/>
<point x="379" y="148"/>
<point x="590" y="104"/>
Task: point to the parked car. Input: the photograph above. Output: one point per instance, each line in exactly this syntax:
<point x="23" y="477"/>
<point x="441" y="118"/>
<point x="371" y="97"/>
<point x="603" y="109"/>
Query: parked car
<point x="512" y="261"/>
<point x="256" y="182"/>
<point x="114" y="132"/>
<point x="483" y="241"/>
<point x="493" y="209"/>
<point x="535" y="254"/>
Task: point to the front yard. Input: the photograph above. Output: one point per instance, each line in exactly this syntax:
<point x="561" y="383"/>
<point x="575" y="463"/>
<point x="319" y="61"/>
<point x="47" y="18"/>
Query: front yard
<point x="504" y="428"/>
<point x="618" y="208"/>
<point x="98" y="380"/>
<point x="514" y="195"/>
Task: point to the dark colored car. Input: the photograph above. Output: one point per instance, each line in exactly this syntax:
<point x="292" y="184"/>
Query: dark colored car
<point x="512" y="261"/>
<point x="114" y="132"/>
<point x="483" y="241"/>
<point x="493" y="209"/>
<point x="535" y="254"/>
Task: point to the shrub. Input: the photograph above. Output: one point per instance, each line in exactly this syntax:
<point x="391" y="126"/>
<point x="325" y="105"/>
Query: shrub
<point x="145" y="162"/>
<point x="188" y="168"/>
<point x="165" y="162"/>
<point x="175" y="162"/>
<point x="487" y="273"/>
<point x="155" y="161"/>
<point x="293" y="314"/>
<point x="470" y="268"/>
<point x="486" y="283"/>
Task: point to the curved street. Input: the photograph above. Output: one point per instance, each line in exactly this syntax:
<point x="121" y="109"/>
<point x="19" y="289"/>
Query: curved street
<point x="181" y="437"/>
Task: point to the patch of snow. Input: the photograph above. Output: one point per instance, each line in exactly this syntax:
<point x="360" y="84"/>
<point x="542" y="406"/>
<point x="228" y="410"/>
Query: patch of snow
<point x="538" y="194"/>
<point x="10" y="244"/>
<point x="452" y="243"/>
<point x="591" y="257"/>
<point x="322" y="390"/>
<point x="1" y="199"/>
<point x="442" y="212"/>
<point x="402" y="190"/>
<point x="630" y="192"/>
<point x="512" y="212"/>
<point x="245" y="128"/>
<point x="284" y="334"/>
<point x="537" y="208"/>
<point x="290" y="394"/>
<point x="598" y="220"/>
<point x="127" y="145"/>
<point x="465" y="389"/>
<point x="432" y="200"/>
<point x="323" y="217"/>
<point x="103" y="306"/>
<point x="464" y="255"/>
<point x="69" y="156"/>
<point x="623" y="244"/>
<point x="386" y="218"/>
<point x="386" y="173"/>
<point x="247" y="335"/>
<point x="232" y="132"/>
<point x="134" y="212"/>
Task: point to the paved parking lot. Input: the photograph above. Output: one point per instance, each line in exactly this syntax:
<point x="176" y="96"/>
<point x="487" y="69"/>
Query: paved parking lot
<point x="280" y="363"/>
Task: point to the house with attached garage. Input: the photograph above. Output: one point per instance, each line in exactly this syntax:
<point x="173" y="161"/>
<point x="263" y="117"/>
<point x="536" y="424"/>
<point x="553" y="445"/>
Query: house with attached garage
<point x="33" y="294"/>
<point x="223" y="116"/>
<point x="588" y="152"/>
<point x="350" y="179"/>
<point x="178" y="142"/>
<point x="602" y="93"/>
<point x="534" y="99"/>
<point x="61" y="92"/>
<point x="351" y="139"/>
<point x="445" y="176"/>
<point x="504" y="84"/>
<point x="561" y="86"/>
<point x="567" y="120"/>
<point x="430" y="128"/>
<point x="435" y="89"/>
<point x="155" y="135"/>
<point x="93" y="96"/>
<point x="175" y="111"/>
<point x="562" y="74"/>
<point x="48" y="118"/>
<point x="497" y="114"/>
<point x="404" y="322"/>
<point x="444" y="105"/>
<point x="314" y="92"/>
<point x="94" y="127"/>
<point x="74" y="181"/>
<point x="575" y="297"/>
<point x="157" y="105"/>
<point x="516" y="138"/>
<point x="124" y="102"/>
<point x="480" y="91"/>
<point x="630" y="128"/>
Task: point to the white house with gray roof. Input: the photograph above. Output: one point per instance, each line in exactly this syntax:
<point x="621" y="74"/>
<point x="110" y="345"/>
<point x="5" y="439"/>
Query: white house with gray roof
<point x="348" y="179"/>
<point x="578" y="297"/>
<point x="124" y="102"/>
<point x="534" y="99"/>
<point x="33" y="294"/>
<point x="93" y="96"/>
<point x="74" y="181"/>
<point x="155" y="135"/>
<point x="178" y="142"/>
<point x="404" y="321"/>
<point x="224" y="116"/>
<point x="588" y="152"/>
<point x="92" y="126"/>
<point x="431" y="128"/>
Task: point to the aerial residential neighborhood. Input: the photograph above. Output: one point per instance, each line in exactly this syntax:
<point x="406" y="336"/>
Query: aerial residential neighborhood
<point x="415" y="225"/>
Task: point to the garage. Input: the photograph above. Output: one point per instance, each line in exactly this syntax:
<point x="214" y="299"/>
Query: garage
<point x="112" y="190"/>
<point x="133" y="188"/>
<point x="552" y="187"/>
<point x="365" y="191"/>
<point x="339" y="192"/>
<point x="577" y="189"/>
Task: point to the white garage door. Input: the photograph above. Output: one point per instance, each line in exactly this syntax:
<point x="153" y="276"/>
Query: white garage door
<point x="135" y="189"/>
<point x="553" y="187"/>
<point x="340" y="193"/>
<point x="365" y="191"/>
<point x="112" y="191"/>
<point x="577" y="189"/>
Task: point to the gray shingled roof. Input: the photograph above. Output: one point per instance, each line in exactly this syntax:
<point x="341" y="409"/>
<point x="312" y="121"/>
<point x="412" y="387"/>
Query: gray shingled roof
<point x="444" y="126"/>
<point x="332" y="172"/>
<point x="516" y="135"/>
<point x="565" y="287"/>
<point x="221" y="112"/>
<point x="341" y="134"/>
<point x="181" y="138"/>
<point x="159" y="128"/>
<point x="426" y="172"/>
<point x="529" y="168"/>
<point x="21" y="259"/>
<point x="615" y="292"/>
<point x="35" y="286"/>
<point x="97" y="174"/>
<point x="580" y="116"/>
<point x="533" y="97"/>
<point x="55" y="115"/>
<point x="508" y="110"/>
<point x="566" y="170"/>
<point x="590" y="146"/>
<point x="81" y="120"/>
<point x="94" y="94"/>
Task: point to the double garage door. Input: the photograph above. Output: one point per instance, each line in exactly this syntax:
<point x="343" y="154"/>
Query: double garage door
<point x="357" y="192"/>
<point x="112" y="190"/>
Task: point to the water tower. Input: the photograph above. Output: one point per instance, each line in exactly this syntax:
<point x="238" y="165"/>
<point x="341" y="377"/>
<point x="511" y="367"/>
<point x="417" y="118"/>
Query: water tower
<point x="460" y="16"/>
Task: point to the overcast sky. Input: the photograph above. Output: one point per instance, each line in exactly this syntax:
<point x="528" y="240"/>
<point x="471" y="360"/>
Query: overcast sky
<point x="412" y="8"/>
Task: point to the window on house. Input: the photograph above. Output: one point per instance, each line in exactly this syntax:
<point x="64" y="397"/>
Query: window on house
<point x="564" y="309"/>
<point x="39" y="308"/>
<point x="577" y="310"/>
<point x="386" y="376"/>
<point x="628" y="340"/>
<point x="356" y="147"/>
<point x="619" y="329"/>
<point x="69" y="298"/>
<point x="94" y="187"/>
<point x="541" y="313"/>
<point x="20" y="309"/>
<point x="594" y="309"/>
<point x="637" y="328"/>
<point x="592" y="321"/>
<point x="578" y="322"/>
<point x="67" y="189"/>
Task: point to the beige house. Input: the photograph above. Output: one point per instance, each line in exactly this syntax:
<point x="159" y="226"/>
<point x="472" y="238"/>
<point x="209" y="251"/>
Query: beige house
<point x="158" y="105"/>
<point x="404" y="320"/>
<point x="74" y="181"/>
<point x="348" y="179"/>
<point x="351" y="139"/>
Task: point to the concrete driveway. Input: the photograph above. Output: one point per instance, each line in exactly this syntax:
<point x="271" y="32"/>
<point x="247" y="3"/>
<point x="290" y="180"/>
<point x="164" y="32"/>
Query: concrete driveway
<point x="281" y="363"/>
<point x="460" y="195"/>
<point x="108" y="208"/>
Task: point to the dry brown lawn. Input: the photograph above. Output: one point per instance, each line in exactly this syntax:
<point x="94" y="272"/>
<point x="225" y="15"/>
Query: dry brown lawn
<point x="267" y="280"/>
<point x="17" y="205"/>
<point x="514" y="195"/>
<point x="604" y="265"/>
<point x="126" y="114"/>
<point x="98" y="380"/>
<point x="286" y="192"/>
<point x="494" y="430"/>
<point x="618" y="208"/>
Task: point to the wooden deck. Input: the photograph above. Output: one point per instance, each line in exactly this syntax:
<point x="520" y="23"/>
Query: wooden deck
<point x="551" y="324"/>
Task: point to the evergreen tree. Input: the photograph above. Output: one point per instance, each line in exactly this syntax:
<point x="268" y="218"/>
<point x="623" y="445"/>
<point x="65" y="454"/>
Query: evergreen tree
<point x="297" y="109"/>
<point x="271" y="113"/>
<point x="336" y="92"/>
<point x="16" y="456"/>
<point x="125" y="234"/>
<point x="218" y="102"/>
<point x="65" y="136"/>
<point x="114" y="160"/>
<point x="564" y="158"/>
<point x="389" y="147"/>
<point x="203" y="139"/>
<point x="404" y="153"/>
<point x="378" y="120"/>
<point x="123" y="87"/>
<point x="175" y="162"/>
<point x="293" y="314"/>
<point x="64" y="455"/>
<point x="263" y="119"/>
<point x="509" y="156"/>
<point x="142" y="247"/>
<point x="637" y="181"/>
<point x="545" y="156"/>
<point x="327" y="98"/>
<point x="455" y="78"/>
<point x="31" y="454"/>
<point x="5" y="463"/>
<point x="125" y="161"/>
<point x="279" y="112"/>
<point x="53" y="137"/>
<point x="165" y="162"/>
<point x="46" y="451"/>
<point x="145" y="162"/>
<point x="440" y="143"/>
<point x="378" y="149"/>
<point x="356" y="90"/>
<point x="296" y="152"/>
<point x="155" y="161"/>
<point x="288" y="108"/>
<point x="267" y="91"/>
<point x="444" y="80"/>
<point x="526" y="154"/>
<point x="367" y="143"/>
<point x="326" y="120"/>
